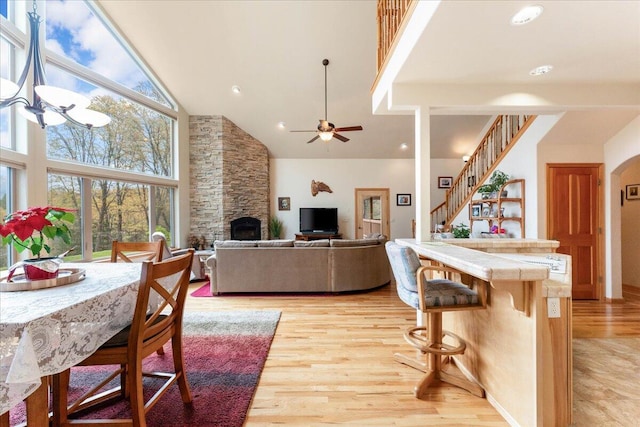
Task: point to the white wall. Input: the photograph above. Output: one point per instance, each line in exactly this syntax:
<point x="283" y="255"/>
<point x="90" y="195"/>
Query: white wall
<point x="560" y="153"/>
<point x="630" y="232"/>
<point x="442" y="167"/>
<point x="620" y="152"/>
<point x="292" y="178"/>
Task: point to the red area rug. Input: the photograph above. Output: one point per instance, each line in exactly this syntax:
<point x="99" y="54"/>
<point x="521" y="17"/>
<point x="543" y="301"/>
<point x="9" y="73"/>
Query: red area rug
<point x="202" y="291"/>
<point x="224" y="355"/>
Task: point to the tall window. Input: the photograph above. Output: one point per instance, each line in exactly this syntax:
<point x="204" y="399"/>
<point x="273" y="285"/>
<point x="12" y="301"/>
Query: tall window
<point x="6" y="202"/>
<point x="119" y="178"/>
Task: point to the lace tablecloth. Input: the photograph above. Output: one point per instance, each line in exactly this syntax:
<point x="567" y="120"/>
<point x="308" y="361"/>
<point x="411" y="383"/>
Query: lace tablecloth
<point x="46" y="331"/>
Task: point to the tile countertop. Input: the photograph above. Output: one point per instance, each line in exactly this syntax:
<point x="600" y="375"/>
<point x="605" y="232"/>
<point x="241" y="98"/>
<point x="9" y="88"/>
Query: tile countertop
<point x="467" y="255"/>
<point x="559" y="282"/>
<point x="504" y="244"/>
<point x="485" y="266"/>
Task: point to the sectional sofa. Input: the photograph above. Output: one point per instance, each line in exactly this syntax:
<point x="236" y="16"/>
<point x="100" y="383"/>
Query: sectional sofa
<point x="324" y="266"/>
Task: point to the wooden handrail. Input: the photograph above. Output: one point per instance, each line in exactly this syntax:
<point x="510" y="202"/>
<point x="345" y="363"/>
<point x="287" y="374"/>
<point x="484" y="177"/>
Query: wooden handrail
<point x="390" y="16"/>
<point x="505" y="131"/>
<point x="439" y="215"/>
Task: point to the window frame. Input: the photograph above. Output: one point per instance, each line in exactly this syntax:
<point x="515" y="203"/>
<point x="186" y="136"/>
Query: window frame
<point x="28" y="155"/>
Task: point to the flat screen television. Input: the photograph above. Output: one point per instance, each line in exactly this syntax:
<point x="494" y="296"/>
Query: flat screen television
<point x="319" y="220"/>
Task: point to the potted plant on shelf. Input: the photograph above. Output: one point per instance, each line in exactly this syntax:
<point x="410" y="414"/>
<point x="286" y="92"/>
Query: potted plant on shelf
<point x="29" y="229"/>
<point x="497" y="180"/>
<point x="275" y="227"/>
<point x="461" y="231"/>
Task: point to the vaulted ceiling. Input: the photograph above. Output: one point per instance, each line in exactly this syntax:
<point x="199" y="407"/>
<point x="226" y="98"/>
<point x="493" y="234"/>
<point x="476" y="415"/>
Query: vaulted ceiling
<point x="273" y="50"/>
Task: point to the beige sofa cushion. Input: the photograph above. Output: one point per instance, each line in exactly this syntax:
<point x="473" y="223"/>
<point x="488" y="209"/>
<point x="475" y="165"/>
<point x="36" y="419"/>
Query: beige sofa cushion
<point x="320" y="243"/>
<point x="235" y="244"/>
<point x="273" y="270"/>
<point x="358" y="268"/>
<point x="342" y="243"/>
<point x="279" y="243"/>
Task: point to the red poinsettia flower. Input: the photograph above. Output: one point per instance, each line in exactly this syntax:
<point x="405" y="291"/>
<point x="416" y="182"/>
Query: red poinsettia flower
<point x="27" y="229"/>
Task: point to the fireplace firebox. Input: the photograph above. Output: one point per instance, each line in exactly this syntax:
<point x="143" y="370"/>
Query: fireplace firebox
<point x="245" y="228"/>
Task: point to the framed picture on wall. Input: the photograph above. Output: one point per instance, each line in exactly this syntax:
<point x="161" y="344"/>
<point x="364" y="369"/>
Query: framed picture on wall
<point x="403" y="199"/>
<point x="284" y="203"/>
<point x="445" y="181"/>
<point x="633" y="192"/>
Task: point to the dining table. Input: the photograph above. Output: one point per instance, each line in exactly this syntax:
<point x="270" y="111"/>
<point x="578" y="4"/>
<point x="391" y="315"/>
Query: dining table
<point x="46" y="331"/>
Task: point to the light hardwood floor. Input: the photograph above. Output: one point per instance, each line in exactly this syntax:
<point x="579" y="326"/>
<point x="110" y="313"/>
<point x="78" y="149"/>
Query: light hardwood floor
<point x="331" y="361"/>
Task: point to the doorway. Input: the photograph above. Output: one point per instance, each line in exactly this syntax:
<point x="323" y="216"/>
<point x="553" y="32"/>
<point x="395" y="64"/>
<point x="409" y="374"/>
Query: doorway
<point x="574" y="215"/>
<point x="372" y="212"/>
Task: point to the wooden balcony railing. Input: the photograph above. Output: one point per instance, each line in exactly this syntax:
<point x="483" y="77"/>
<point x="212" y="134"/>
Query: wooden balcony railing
<point x="390" y="16"/>
<point x="499" y="139"/>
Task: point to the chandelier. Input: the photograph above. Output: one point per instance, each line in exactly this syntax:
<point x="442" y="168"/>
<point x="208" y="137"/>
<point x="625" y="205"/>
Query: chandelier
<point x="51" y="105"/>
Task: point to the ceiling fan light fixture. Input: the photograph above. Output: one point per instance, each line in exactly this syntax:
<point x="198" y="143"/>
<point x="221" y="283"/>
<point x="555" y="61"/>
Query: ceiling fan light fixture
<point x="326" y="136"/>
<point x="526" y="15"/>
<point x="327" y="130"/>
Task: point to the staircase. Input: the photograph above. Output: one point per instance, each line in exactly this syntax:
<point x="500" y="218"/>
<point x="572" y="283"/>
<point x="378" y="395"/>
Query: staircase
<point x="500" y="138"/>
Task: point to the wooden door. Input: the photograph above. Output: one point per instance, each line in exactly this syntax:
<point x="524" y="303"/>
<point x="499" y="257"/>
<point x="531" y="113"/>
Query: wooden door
<point x="573" y="217"/>
<point x="372" y="211"/>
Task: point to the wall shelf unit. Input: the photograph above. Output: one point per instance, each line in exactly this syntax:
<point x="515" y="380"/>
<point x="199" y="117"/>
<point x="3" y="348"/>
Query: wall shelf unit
<point x="493" y="209"/>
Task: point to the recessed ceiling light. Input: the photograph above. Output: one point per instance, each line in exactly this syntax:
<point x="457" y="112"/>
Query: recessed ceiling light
<point x="541" y="70"/>
<point x="235" y="89"/>
<point x="526" y="15"/>
<point x="282" y="125"/>
<point x="403" y="146"/>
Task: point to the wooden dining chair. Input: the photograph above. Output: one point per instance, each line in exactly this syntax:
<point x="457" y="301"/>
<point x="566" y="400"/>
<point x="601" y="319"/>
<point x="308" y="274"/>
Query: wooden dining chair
<point x="148" y="331"/>
<point x="431" y="296"/>
<point x="136" y="251"/>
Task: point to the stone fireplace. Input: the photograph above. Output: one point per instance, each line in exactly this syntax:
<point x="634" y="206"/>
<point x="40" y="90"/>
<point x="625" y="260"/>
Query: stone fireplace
<point x="245" y="228"/>
<point x="229" y="177"/>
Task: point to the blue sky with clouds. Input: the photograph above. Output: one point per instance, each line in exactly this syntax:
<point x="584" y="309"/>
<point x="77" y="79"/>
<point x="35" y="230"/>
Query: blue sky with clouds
<point x="75" y="32"/>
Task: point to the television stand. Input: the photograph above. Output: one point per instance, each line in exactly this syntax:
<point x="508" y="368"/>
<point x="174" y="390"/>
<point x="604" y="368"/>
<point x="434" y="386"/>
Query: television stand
<point x="317" y="236"/>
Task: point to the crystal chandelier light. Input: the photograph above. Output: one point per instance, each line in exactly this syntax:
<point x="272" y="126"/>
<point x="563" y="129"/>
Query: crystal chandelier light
<point x="51" y="105"/>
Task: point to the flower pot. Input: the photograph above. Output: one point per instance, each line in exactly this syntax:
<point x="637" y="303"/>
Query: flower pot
<point x="41" y="268"/>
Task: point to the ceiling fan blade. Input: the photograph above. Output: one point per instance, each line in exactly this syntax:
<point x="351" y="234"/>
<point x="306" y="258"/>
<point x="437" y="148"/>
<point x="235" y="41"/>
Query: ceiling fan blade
<point x="313" y="139"/>
<point x="348" y="128"/>
<point x="340" y="137"/>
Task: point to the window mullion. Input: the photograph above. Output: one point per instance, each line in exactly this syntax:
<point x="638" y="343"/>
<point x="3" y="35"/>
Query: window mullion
<point x="99" y="80"/>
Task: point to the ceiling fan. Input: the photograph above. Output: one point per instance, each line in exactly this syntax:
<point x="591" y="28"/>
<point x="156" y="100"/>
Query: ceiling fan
<point x="327" y="130"/>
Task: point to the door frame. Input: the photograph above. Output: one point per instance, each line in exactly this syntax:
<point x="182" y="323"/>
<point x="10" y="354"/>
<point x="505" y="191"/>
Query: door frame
<point x="599" y="223"/>
<point x="385" y="208"/>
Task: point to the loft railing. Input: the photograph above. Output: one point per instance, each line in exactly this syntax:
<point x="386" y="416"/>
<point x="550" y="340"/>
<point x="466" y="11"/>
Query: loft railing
<point x="390" y="16"/>
<point x="499" y="139"/>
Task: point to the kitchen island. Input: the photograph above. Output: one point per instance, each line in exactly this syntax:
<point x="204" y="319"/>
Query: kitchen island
<point x="518" y="349"/>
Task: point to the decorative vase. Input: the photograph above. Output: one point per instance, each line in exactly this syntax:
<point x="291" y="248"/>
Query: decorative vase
<point x="41" y="268"/>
